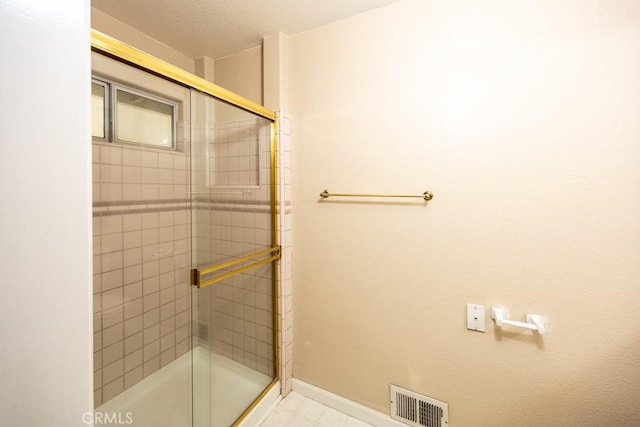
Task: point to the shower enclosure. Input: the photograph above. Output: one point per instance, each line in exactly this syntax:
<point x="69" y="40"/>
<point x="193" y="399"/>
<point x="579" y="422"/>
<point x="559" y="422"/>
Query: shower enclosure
<point x="185" y="245"/>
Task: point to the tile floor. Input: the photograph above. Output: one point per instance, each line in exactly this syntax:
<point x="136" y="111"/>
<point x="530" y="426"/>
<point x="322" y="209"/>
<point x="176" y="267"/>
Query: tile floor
<point x="296" y="410"/>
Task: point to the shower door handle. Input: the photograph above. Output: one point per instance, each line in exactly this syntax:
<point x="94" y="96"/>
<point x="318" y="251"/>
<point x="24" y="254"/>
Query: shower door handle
<point x="197" y="275"/>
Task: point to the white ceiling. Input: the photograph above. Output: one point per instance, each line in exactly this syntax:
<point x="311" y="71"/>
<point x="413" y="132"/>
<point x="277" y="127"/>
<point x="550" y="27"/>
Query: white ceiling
<point x="217" y="28"/>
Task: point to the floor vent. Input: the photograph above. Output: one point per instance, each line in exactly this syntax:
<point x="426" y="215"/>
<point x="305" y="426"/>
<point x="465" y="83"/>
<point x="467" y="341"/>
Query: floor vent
<point x="417" y="410"/>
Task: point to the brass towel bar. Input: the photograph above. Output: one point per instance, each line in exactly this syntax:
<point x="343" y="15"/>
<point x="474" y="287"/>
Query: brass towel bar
<point x="427" y="195"/>
<point x="196" y="274"/>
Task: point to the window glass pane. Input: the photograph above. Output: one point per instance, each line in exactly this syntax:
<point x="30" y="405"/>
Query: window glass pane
<point x="98" y="110"/>
<point x="143" y="120"/>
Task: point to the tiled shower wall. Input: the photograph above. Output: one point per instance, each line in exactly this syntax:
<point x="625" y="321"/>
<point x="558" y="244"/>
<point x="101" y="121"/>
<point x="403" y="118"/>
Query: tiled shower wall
<point x="233" y="218"/>
<point x="141" y="232"/>
<point x="285" y="231"/>
<point x="141" y="254"/>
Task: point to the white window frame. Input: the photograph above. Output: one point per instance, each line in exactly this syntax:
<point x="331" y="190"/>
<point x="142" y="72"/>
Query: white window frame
<point x="105" y="110"/>
<point x="111" y="116"/>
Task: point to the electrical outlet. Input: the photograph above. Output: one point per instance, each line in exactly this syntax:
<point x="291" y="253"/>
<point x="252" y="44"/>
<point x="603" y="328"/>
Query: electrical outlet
<point x="475" y="317"/>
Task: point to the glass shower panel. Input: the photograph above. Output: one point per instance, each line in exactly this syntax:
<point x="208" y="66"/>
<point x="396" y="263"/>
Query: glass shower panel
<point x="141" y="233"/>
<point x="167" y="354"/>
<point x="233" y="319"/>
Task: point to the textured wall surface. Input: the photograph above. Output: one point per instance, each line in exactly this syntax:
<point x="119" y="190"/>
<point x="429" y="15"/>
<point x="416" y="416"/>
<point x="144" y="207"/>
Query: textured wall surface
<point x="523" y="119"/>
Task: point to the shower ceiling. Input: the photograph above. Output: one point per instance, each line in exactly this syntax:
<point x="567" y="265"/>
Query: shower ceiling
<point x="217" y="28"/>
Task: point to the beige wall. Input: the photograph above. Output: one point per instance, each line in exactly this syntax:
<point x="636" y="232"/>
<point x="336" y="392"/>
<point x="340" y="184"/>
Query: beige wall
<point x="107" y="24"/>
<point x="241" y="73"/>
<point x="522" y="118"/>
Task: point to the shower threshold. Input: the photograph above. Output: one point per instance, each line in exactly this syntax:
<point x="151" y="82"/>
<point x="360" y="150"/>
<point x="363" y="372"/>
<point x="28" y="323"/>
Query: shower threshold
<point x="164" y="399"/>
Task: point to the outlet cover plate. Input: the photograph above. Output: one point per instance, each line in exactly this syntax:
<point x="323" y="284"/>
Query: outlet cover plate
<point x="475" y="317"/>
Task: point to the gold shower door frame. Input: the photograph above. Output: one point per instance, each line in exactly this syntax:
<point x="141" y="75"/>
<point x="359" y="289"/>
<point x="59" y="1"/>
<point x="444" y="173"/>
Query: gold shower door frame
<point x="105" y="44"/>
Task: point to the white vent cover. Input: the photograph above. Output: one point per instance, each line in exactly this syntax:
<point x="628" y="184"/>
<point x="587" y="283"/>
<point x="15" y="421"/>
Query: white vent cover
<point x="417" y="410"/>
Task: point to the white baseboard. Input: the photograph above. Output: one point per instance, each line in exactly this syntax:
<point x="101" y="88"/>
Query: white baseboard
<point x="345" y="406"/>
<point x="263" y="408"/>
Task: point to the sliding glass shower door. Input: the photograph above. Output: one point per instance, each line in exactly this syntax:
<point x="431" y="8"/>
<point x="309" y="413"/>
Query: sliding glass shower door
<point x="232" y="252"/>
<point x="184" y="245"/>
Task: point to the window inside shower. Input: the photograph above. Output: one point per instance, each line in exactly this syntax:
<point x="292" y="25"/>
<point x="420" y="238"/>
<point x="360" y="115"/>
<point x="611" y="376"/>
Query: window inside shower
<point x="127" y="115"/>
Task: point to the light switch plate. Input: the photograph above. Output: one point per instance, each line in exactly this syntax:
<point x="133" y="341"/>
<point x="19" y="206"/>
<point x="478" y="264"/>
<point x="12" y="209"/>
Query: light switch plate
<point x="475" y="317"/>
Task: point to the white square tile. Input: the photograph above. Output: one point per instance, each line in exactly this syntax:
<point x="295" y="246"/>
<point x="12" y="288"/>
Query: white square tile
<point x="298" y="411"/>
<point x="311" y="410"/>
<point x="292" y="402"/>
